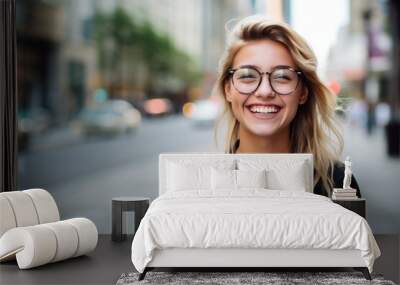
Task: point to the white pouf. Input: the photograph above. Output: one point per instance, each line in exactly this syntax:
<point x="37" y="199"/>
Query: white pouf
<point x="31" y="232"/>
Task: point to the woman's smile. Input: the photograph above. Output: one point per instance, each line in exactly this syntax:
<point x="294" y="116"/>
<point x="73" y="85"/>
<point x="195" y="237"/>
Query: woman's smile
<point x="263" y="111"/>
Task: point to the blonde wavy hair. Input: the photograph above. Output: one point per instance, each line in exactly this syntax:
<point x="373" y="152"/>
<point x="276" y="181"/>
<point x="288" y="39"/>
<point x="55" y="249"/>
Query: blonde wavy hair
<point x="314" y="129"/>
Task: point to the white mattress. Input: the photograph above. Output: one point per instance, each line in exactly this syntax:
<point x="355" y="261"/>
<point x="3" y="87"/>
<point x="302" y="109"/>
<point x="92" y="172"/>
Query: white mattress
<point x="251" y="218"/>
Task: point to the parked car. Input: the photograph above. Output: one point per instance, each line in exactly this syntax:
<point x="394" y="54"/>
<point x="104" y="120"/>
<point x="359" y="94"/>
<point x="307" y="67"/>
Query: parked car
<point x="109" y="118"/>
<point x="202" y="112"/>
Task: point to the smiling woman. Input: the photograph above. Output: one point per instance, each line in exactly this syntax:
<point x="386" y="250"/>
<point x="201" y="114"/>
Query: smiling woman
<point x="270" y="105"/>
<point x="275" y="101"/>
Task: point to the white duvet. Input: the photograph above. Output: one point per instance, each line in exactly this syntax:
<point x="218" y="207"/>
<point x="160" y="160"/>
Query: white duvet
<point x="252" y="218"/>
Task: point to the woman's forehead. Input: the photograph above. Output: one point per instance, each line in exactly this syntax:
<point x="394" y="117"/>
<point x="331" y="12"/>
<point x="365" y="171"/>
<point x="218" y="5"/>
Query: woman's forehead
<point x="263" y="54"/>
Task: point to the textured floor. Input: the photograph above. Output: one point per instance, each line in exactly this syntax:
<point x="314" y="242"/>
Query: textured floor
<point x="250" y="278"/>
<point x="110" y="260"/>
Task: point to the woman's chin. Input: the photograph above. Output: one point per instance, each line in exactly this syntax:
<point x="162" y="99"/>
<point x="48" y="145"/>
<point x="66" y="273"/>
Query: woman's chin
<point x="264" y="133"/>
<point x="262" y="130"/>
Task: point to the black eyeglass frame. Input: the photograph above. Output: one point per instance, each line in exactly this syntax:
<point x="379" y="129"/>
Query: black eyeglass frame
<point x="231" y="71"/>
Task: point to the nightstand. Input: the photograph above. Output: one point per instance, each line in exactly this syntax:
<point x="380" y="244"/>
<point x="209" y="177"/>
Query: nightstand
<point x="123" y="204"/>
<point x="357" y="206"/>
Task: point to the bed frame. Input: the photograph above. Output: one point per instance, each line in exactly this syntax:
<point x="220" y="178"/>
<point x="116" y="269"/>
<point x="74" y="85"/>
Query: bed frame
<point x="247" y="259"/>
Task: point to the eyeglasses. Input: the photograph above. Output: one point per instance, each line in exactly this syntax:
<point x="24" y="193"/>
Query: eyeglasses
<point x="283" y="80"/>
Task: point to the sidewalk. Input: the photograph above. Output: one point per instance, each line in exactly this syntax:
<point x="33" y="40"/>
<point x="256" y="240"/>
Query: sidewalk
<point x="54" y="138"/>
<point x="378" y="177"/>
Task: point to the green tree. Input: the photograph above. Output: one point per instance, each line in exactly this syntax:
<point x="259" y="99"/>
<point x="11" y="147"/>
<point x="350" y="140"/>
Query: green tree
<point x="123" y="42"/>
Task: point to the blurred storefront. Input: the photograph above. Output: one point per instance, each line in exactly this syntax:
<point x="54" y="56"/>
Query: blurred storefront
<point x="362" y="52"/>
<point x="54" y="61"/>
<point x="365" y="62"/>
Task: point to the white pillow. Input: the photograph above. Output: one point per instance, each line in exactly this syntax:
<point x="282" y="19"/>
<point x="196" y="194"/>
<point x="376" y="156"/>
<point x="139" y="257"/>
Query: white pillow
<point x="251" y="178"/>
<point x="193" y="174"/>
<point x="223" y="179"/>
<point x="187" y="177"/>
<point x="292" y="178"/>
<point x="237" y="179"/>
<point x="281" y="175"/>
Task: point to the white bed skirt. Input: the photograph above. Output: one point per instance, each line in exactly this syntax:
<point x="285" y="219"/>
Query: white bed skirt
<point x="235" y="257"/>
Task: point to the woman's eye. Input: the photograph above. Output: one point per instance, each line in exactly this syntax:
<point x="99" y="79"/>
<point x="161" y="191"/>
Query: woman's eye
<point x="282" y="77"/>
<point x="246" y="76"/>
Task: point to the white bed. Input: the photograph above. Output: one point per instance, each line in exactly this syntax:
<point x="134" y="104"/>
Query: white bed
<point x="201" y="220"/>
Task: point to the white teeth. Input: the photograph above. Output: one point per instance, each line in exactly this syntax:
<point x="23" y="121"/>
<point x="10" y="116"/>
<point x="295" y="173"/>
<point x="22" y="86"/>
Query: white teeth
<point x="258" y="109"/>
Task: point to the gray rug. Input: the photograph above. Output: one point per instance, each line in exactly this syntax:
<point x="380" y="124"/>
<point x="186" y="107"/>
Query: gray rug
<point x="229" y="278"/>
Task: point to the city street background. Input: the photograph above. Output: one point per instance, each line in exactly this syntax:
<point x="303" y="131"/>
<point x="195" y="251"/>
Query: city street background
<point x="85" y="175"/>
<point x="105" y="86"/>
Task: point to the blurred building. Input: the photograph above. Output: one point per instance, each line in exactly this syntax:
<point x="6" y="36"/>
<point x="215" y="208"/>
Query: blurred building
<point x="366" y="60"/>
<point x="58" y="64"/>
<point x="181" y="20"/>
<point x="276" y="9"/>
<point x="360" y="58"/>
<point x="55" y="61"/>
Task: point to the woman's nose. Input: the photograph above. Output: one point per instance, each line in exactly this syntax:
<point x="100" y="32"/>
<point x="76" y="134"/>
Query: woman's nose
<point x="265" y="88"/>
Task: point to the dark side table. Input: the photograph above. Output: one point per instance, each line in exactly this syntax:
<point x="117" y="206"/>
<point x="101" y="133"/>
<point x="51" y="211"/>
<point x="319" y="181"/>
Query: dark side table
<point x="124" y="204"/>
<point x="357" y="206"/>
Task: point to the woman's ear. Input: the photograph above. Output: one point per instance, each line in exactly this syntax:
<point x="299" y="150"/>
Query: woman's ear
<point x="227" y="89"/>
<point x="303" y="96"/>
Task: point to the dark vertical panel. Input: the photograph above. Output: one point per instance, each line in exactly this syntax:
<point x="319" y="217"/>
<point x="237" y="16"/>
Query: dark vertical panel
<point x="394" y="18"/>
<point x="117" y="234"/>
<point x="392" y="129"/>
<point x="8" y="97"/>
